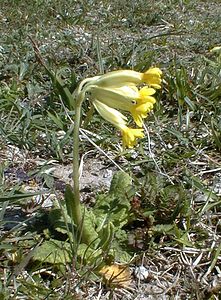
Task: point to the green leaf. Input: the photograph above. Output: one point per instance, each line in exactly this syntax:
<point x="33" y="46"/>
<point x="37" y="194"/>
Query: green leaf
<point x="63" y="91"/>
<point x="56" y="219"/>
<point x="89" y="220"/>
<point x="190" y="103"/>
<point x="15" y="197"/>
<point x="106" y="235"/>
<point x="69" y="200"/>
<point x="90" y="256"/>
<point x="114" y="207"/>
<point x="88" y="216"/>
<point x="163" y="228"/>
<point x="53" y="252"/>
<point x="183" y="240"/>
<point x="56" y="119"/>
<point x="120" y="183"/>
<point x="215" y="257"/>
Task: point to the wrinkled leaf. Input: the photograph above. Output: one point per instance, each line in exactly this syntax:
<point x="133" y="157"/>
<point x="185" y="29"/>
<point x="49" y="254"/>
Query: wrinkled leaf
<point x="53" y="252"/>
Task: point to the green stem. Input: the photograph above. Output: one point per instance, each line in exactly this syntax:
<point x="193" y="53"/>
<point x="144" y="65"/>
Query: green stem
<point x="77" y="211"/>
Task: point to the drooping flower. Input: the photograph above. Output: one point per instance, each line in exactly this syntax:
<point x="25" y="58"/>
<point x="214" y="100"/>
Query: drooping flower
<point x="129" y="135"/>
<point x="128" y="98"/>
<point x="123" y="97"/>
<point x="121" y="90"/>
<point x="152" y="77"/>
<point x="110" y="114"/>
<point x="139" y="112"/>
<point x="145" y="94"/>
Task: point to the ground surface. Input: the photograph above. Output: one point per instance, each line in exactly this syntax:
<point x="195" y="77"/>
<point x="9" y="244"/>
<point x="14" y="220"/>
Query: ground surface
<point x="180" y="163"/>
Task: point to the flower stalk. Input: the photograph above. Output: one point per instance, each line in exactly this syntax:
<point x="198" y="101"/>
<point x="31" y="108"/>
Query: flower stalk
<point x="77" y="215"/>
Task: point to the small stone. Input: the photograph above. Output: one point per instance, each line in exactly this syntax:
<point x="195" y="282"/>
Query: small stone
<point x="141" y="273"/>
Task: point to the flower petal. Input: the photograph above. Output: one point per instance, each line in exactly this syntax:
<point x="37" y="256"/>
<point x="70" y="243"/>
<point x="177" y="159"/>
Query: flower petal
<point x="153" y="77"/>
<point x="147" y="91"/>
<point x="130" y="136"/>
<point x="119" y="78"/>
<point x="121" y="97"/>
<point x="110" y="114"/>
<point x="140" y="112"/>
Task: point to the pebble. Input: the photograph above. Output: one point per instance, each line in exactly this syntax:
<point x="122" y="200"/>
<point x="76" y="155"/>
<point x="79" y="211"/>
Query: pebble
<point x="141" y="273"/>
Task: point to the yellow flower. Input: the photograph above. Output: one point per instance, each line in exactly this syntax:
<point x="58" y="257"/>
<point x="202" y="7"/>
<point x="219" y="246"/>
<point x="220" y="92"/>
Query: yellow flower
<point x="128" y="98"/>
<point x="118" y="78"/>
<point x="123" y="97"/>
<point x="143" y="106"/>
<point x="139" y="112"/>
<point x="153" y="77"/>
<point x="121" y="90"/>
<point x="129" y="135"/>
<point x="110" y="114"/>
<point x="145" y="95"/>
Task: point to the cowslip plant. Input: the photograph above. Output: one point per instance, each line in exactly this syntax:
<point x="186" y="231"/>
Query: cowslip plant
<point x="126" y="90"/>
<point x="90" y="233"/>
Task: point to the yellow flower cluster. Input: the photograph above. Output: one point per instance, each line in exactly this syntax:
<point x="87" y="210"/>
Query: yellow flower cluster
<point x="120" y="90"/>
